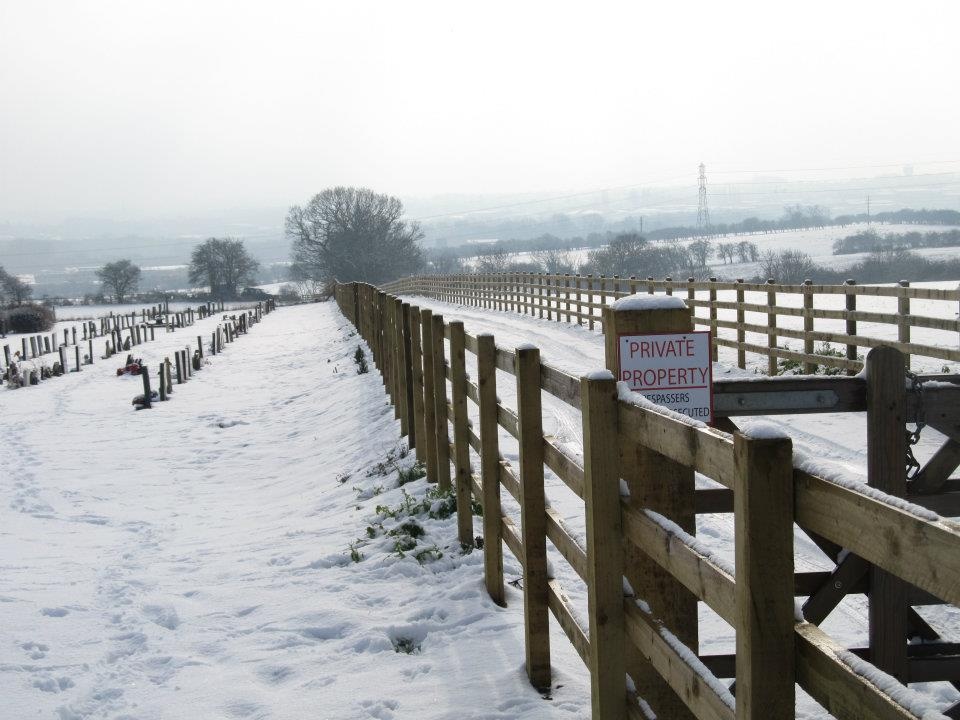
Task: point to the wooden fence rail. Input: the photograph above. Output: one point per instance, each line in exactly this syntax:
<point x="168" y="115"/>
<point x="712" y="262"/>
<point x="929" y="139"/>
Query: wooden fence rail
<point x="825" y="314"/>
<point x="648" y="537"/>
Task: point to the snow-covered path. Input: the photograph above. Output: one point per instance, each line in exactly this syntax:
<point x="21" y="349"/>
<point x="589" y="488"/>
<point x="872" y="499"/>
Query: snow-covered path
<point x="192" y="560"/>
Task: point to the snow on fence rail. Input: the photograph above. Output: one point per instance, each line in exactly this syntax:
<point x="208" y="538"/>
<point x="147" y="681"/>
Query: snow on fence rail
<point x="747" y="317"/>
<point x="647" y="536"/>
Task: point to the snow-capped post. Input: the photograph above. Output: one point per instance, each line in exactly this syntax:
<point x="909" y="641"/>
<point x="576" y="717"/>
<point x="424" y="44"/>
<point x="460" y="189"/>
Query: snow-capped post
<point x="763" y="537"/>
<point x="886" y="471"/>
<point x="601" y="491"/>
<point x="851" y="328"/>
<point x="490" y="467"/>
<point x="659" y="484"/>
<point x="461" y="445"/>
<point x="808" y="367"/>
<point x="429" y="405"/>
<point x="440" y="405"/>
<point x="771" y="328"/>
<point x="533" y="517"/>
<point x="418" y="437"/>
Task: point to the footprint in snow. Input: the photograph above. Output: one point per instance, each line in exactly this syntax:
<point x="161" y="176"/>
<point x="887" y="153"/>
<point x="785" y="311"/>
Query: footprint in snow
<point x="223" y="424"/>
<point x="55" y="612"/>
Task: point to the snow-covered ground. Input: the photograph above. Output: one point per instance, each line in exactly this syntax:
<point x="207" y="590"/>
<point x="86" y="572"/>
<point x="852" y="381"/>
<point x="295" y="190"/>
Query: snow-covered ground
<point x="233" y="553"/>
<point x="815" y="242"/>
<point x="193" y="560"/>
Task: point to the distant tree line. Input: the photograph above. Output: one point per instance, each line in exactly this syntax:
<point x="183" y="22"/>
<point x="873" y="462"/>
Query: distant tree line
<point x="871" y="241"/>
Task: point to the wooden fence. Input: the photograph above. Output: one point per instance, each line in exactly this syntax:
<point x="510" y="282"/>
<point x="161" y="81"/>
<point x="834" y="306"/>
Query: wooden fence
<point x="748" y="317"/>
<point x="649" y="538"/>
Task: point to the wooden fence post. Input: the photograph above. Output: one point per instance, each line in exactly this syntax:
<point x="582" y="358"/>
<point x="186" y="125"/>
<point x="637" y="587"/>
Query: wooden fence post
<point x="808" y="367"/>
<point x="440" y="405"/>
<point x="416" y="366"/>
<point x="851" y="307"/>
<point x="400" y="372"/>
<point x="763" y="538"/>
<point x="903" y="320"/>
<point x="886" y="471"/>
<point x="715" y="347"/>
<point x="590" y="299"/>
<point x="533" y="517"/>
<point x="408" y="376"/>
<point x="429" y="403"/>
<point x="490" y="467"/>
<point x="461" y="446"/>
<point x="741" y="331"/>
<point x="604" y="536"/>
<point x="771" y="328"/>
<point x="666" y="487"/>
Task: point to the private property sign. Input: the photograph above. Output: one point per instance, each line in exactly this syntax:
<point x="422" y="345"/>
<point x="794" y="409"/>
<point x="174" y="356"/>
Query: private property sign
<point x="670" y="369"/>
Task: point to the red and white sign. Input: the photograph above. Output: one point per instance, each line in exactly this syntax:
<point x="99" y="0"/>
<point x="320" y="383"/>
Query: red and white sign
<point x="670" y="369"/>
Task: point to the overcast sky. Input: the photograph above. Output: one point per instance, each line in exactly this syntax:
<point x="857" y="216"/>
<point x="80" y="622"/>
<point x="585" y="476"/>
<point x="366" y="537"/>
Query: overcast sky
<point x="127" y="109"/>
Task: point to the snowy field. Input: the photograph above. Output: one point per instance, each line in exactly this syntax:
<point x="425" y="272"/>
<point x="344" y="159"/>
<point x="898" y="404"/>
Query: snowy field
<point x="193" y="560"/>
<point x="816" y="242"/>
<point x="223" y="554"/>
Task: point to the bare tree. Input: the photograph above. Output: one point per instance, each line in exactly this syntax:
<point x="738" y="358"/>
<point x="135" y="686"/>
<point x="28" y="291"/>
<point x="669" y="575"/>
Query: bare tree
<point x="347" y="233"/>
<point x="555" y="261"/>
<point x="13" y="288"/>
<point x="120" y="278"/>
<point x="495" y="261"/>
<point x="222" y="264"/>
<point x="786" y="266"/>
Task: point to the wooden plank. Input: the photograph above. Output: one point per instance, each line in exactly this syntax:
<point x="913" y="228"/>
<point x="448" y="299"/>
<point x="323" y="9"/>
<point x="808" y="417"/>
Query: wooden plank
<point x="565" y="466"/>
<point x="833" y="684"/>
<point x="561" y="385"/>
<point x="763" y="518"/>
<point x="687" y="682"/>
<point x="562" y="608"/>
<point x="533" y="518"/>
<point x="706" y="450"/>
<point x="604" y="547"/>
<point x="936" y="472"/>
<point x="672" y="551"/>
<point x="562" y="537"/>
<point x="458" y="372"/>
<point x="835" y="586"/>
<point x="489" y="467"/>
<point x="886" y="450"/>
<point x="887" y="536"/>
